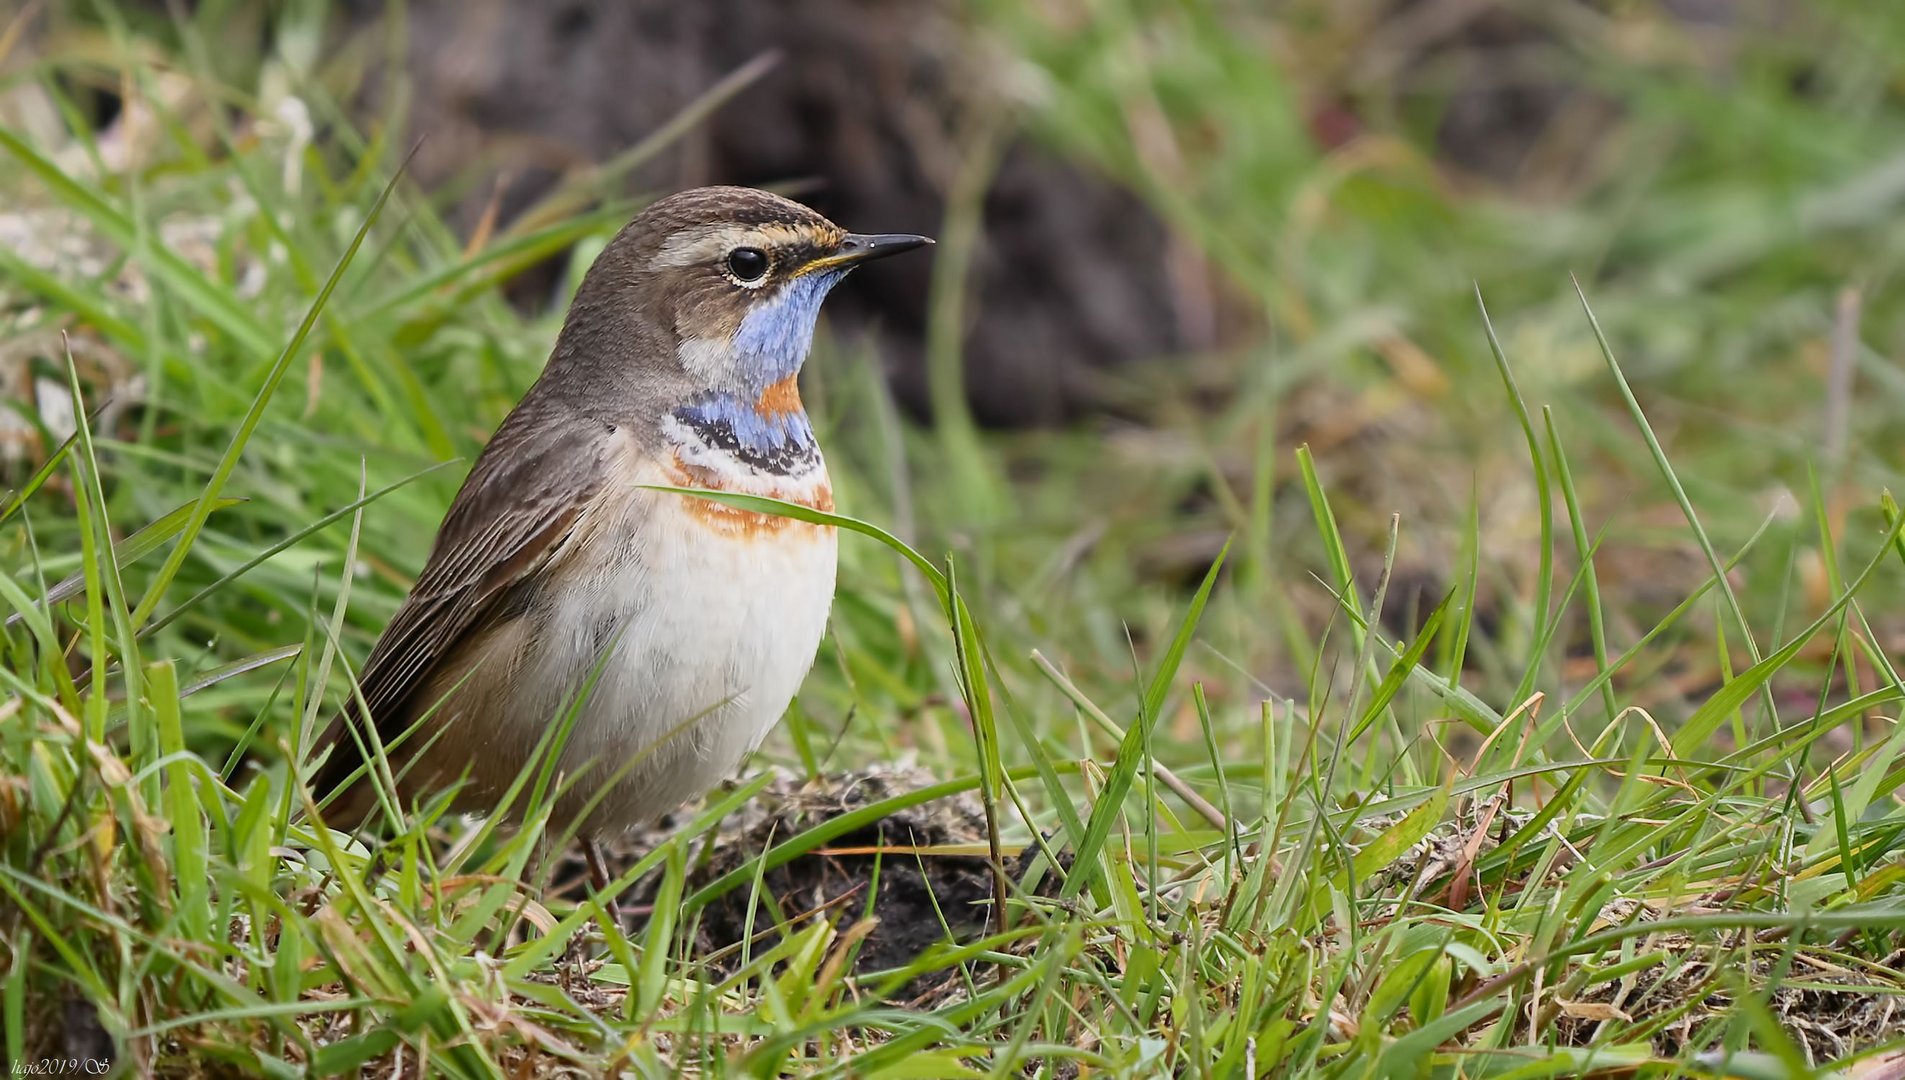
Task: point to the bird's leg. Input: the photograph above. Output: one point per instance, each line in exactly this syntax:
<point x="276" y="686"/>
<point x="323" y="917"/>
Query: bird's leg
<point x="599" y="878"/>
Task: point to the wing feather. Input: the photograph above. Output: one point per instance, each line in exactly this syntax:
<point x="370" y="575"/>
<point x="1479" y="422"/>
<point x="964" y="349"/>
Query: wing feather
<point x="518" y="507"/>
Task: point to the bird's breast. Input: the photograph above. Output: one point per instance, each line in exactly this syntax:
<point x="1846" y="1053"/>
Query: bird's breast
<point x="703" y="619"/>
<point x="810" y="489"/>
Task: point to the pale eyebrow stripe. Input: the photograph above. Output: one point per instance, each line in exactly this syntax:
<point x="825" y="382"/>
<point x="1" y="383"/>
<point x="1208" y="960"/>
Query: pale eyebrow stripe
<point x="703" y="243"/>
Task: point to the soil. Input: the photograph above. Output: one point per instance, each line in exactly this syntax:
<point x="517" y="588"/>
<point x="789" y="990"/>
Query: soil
<point x="1700" y="985"/>
<point x="920" y="900"/>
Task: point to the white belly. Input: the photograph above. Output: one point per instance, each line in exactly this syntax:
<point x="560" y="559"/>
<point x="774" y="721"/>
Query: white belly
<point x="702" y="631"/>
<point x="716" y="634"/>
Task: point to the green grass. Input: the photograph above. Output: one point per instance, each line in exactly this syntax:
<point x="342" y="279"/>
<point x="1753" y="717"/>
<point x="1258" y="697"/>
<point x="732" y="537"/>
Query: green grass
<point x="1525" y="731"/>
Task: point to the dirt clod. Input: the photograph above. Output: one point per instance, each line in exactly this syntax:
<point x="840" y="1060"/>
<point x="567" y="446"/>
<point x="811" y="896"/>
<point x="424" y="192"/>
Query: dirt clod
<point x="894" y="870"/>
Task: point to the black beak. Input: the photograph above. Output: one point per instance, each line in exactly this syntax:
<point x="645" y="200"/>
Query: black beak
<point x="861" y="247"/>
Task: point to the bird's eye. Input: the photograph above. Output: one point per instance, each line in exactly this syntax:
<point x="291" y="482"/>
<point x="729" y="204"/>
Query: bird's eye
<point x="747" y="264"/>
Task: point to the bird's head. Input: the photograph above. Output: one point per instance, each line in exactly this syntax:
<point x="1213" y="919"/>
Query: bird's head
<point x="732" y="280"/>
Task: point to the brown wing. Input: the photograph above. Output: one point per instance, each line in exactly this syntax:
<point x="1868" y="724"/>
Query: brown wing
<point x="514" y="512"/>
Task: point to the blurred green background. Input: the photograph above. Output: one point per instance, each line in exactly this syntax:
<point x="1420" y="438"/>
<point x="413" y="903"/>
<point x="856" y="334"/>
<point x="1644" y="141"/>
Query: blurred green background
<point x="1178" y="242"/>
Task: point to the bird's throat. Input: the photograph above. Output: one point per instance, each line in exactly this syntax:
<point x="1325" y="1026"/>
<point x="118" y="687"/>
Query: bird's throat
<point x="768" y="434"/>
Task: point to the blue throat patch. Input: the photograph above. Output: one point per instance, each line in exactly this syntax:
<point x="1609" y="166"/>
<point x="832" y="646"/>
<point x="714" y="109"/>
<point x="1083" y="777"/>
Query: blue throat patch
<point x="781" y="443"/>
<point x="769" y="347"/>
<point x="774" y="337"/>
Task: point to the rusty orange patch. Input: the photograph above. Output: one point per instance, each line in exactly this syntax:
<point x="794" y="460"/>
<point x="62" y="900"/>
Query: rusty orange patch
<point x="734" y="521"/>
<point x="781" y="398"/>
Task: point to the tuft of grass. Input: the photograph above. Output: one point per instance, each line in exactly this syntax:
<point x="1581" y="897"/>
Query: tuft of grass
<point x="1615" y="797"/>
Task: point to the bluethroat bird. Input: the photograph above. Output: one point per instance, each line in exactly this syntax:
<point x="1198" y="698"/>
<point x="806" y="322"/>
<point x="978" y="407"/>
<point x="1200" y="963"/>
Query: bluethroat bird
<point x="682" y="626"/>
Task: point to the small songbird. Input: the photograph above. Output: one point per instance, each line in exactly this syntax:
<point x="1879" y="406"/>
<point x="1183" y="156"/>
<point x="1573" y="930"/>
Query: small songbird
<point x="683" y="625"/>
